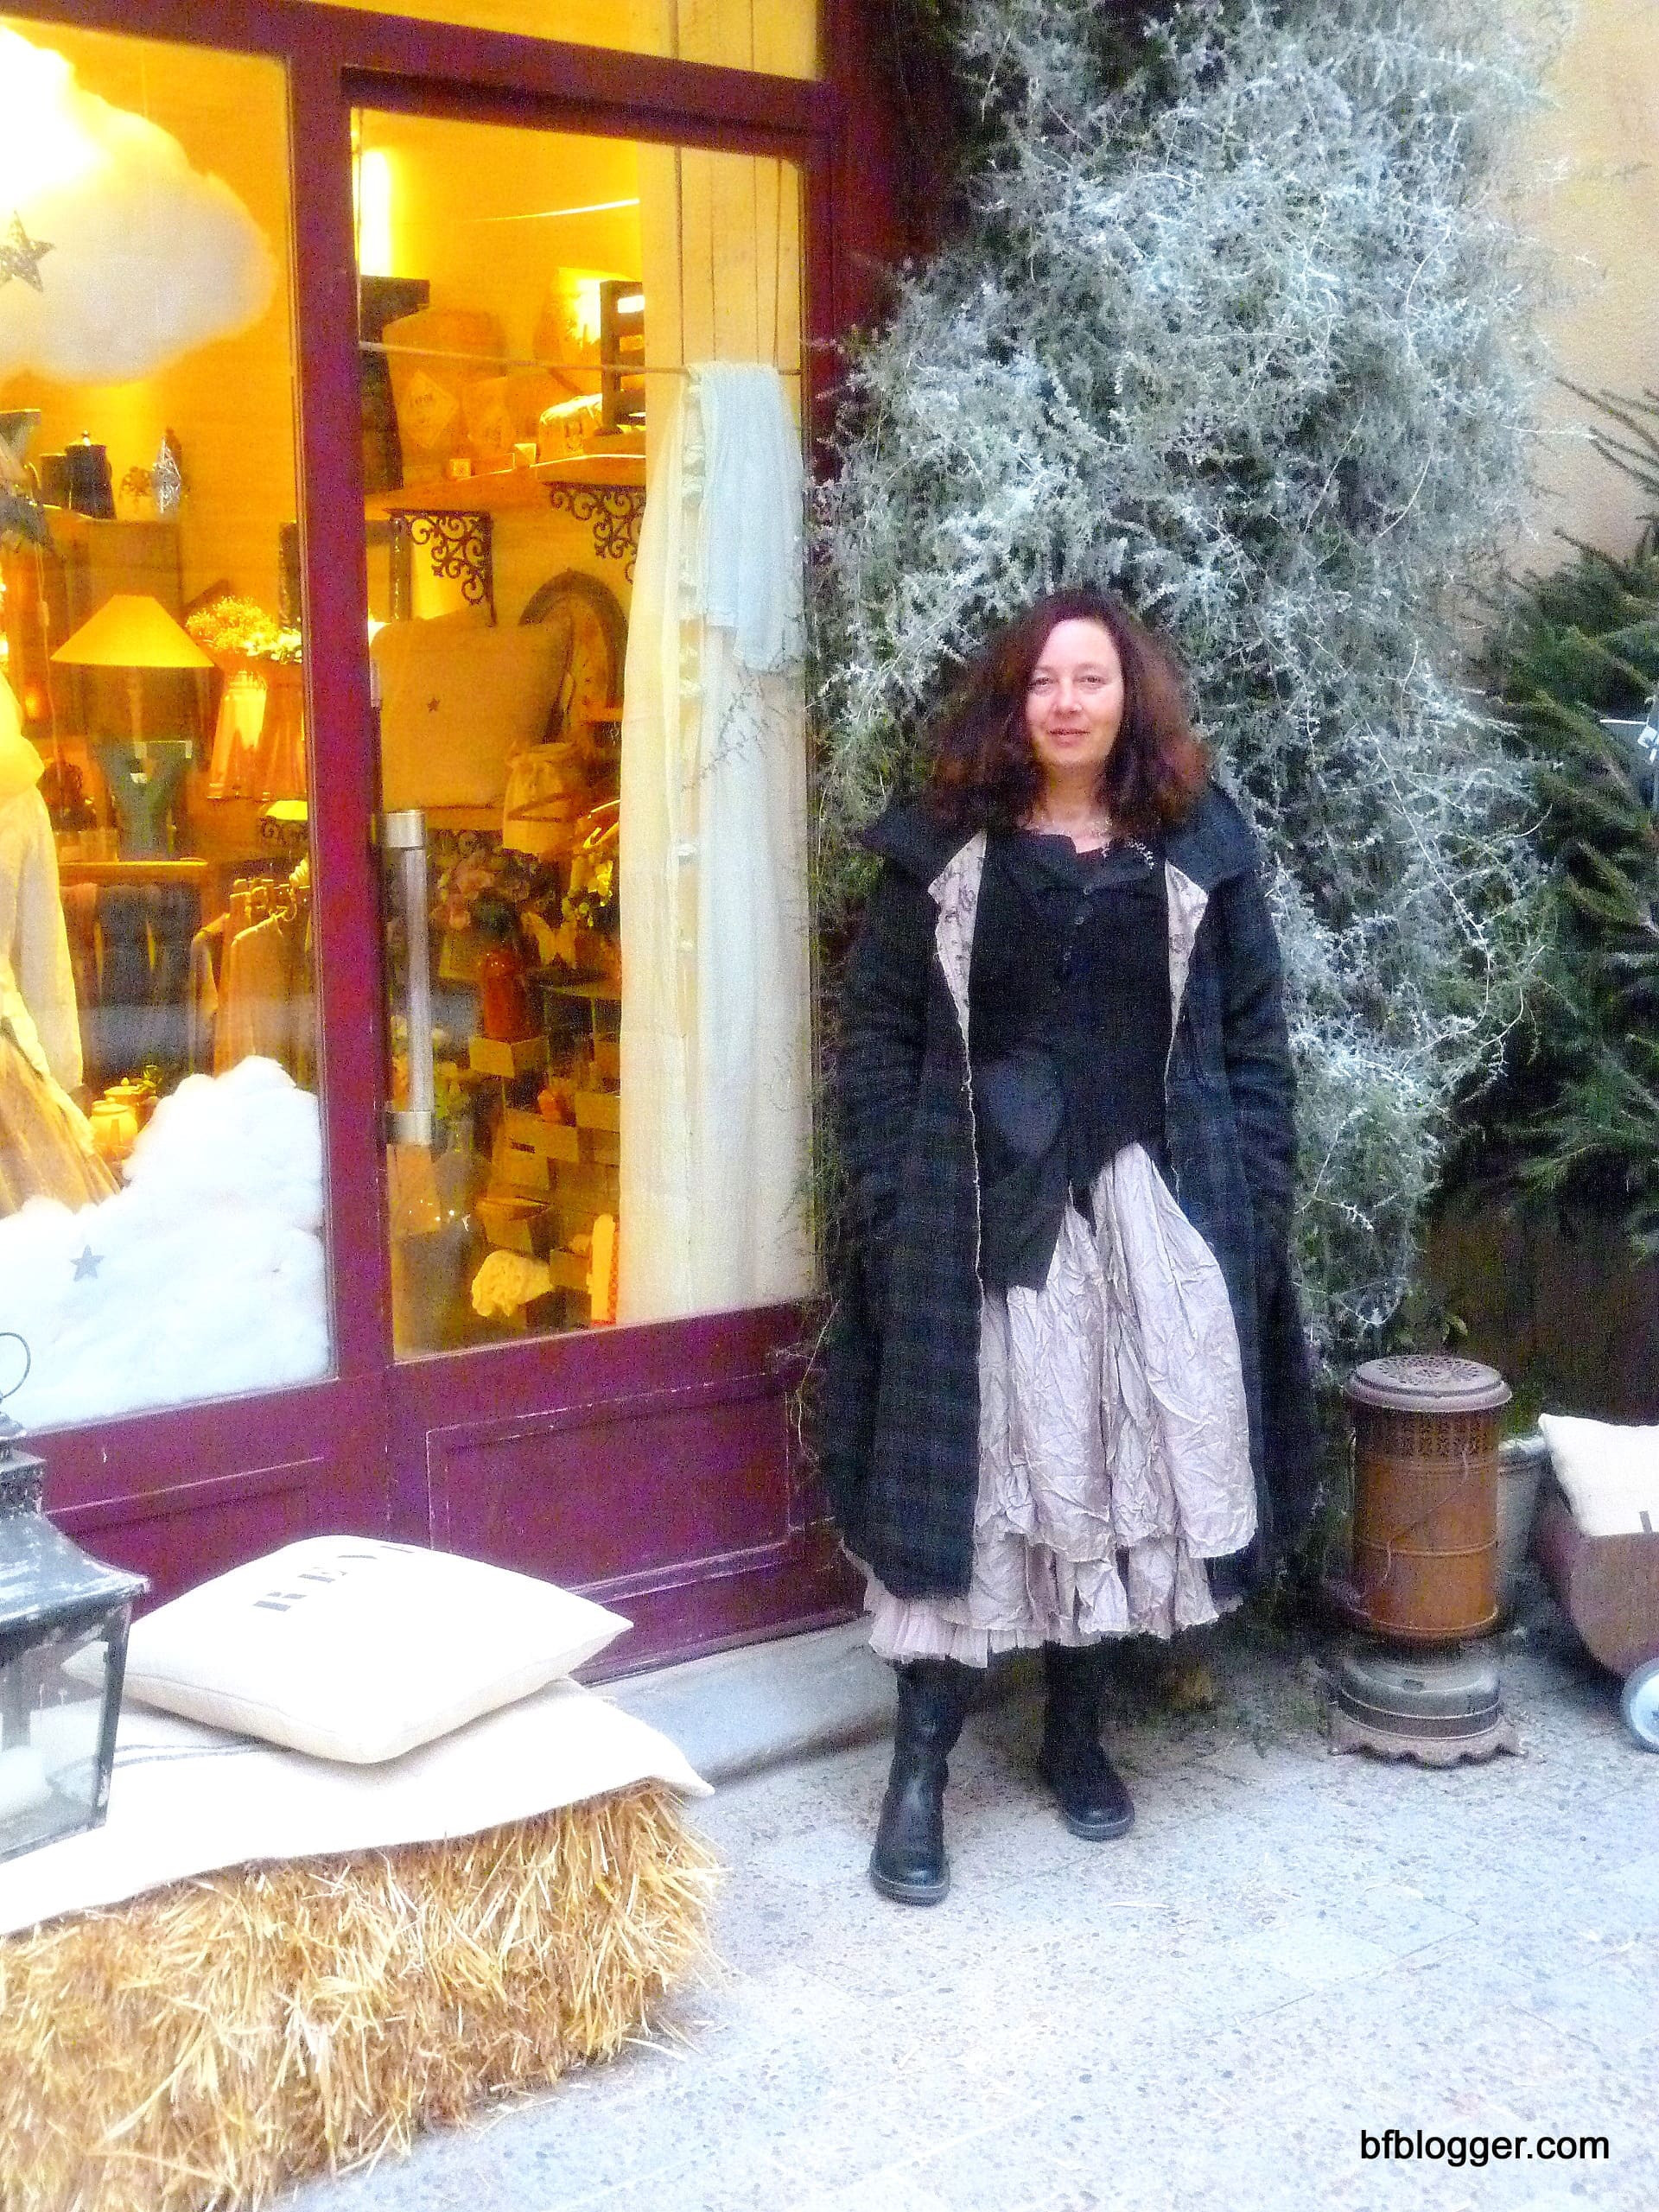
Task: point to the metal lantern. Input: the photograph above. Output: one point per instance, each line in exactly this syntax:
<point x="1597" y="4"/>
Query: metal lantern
<point x="63" y="1652"/>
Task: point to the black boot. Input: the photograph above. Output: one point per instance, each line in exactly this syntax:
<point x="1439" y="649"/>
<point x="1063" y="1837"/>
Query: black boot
<point x="908" y="1863"/>
<point x="1093" y="1800"/>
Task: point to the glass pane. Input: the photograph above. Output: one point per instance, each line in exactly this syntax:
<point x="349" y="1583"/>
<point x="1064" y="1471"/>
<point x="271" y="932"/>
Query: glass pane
<point x="161" y="1230"/>
<point x="778" y="36"/>
<point x="51" y="1726"/>
<point x="593" y="772"/>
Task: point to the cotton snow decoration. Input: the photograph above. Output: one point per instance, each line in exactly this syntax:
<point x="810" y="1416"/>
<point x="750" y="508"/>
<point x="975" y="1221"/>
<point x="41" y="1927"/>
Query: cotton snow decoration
<point x="204" y="1277"/>
<point x="116" y="256"/>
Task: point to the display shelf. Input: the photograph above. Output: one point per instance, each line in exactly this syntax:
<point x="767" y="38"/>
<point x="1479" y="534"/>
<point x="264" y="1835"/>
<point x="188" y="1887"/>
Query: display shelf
<point x="500" y="490"/>
<point x="73" y="870"/>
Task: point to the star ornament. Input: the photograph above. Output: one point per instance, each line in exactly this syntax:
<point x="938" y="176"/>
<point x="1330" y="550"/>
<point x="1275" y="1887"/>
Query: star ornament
<point x="21" y="256"/>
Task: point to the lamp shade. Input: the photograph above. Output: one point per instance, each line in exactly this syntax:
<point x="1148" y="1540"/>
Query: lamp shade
<point x="131" y="630"/>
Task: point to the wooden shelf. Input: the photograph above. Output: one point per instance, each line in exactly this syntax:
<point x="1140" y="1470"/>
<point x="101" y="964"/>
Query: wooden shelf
<point x="505" y="489"/>
<point x="71" y="870"/>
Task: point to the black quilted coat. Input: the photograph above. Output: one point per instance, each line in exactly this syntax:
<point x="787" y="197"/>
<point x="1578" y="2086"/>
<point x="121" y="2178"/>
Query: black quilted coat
<point x="902" y="1426"/>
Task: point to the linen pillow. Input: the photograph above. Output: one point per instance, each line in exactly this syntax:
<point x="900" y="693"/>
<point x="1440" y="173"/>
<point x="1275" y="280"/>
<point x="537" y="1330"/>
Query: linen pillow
<point x="1609" y="1473"/>
<point x="457" y="701"/>
<point x="351" y="1648"/>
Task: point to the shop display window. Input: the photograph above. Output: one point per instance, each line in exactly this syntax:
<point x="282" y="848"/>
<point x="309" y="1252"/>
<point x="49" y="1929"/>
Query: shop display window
<point x="580" y="407"/>
<point x="161" y="1185"/>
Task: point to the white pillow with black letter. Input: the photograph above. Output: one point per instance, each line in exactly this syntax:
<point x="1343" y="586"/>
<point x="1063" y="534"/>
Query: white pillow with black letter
<point x="352" y="1648"/>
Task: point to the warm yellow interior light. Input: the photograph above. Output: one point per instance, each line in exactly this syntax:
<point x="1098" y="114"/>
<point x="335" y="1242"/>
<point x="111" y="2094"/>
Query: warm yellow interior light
<point x="373" y="194"/>
<point x="41" y="147"/>
<point x="131" y="630"/>
<point x="585" y="311"/>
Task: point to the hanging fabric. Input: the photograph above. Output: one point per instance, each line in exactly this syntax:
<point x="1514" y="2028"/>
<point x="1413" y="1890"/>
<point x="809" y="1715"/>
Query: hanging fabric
<point x="715" y="1036"/>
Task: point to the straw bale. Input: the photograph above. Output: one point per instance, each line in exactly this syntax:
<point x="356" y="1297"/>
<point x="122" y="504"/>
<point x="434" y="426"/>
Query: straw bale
<point x="205" y="2045"/>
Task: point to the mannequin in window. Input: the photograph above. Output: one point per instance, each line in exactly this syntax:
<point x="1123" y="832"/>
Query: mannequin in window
<point x="46" y="1146"/>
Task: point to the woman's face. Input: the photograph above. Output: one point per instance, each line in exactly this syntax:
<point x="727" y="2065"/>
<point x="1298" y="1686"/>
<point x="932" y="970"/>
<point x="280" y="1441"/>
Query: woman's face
<point x="1074" y="702"/>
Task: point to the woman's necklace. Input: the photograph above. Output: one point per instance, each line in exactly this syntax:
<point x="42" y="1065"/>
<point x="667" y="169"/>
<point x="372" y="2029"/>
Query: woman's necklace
<point x="1089" y="832"/>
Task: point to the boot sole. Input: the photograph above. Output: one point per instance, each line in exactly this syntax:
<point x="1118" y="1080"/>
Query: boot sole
<point x="909" y="1892"/>
<point x="1096" y="1831"/>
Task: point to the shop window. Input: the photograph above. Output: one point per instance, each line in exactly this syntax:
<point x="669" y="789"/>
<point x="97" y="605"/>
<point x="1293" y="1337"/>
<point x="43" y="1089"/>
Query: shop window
<point x="778" y="36"/>
<point x="161" y="1190"/>
<point x="580" y="405"/>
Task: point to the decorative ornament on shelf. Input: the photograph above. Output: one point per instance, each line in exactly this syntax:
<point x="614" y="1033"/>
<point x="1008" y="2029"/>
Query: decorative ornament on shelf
<point x="167" y="477"/>
<point x="164" y="484"/>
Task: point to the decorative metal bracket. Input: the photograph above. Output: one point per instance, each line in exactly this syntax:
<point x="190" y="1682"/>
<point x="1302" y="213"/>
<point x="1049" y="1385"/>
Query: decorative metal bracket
<point x="459" y="548"/>
<point x="615" y="511"/>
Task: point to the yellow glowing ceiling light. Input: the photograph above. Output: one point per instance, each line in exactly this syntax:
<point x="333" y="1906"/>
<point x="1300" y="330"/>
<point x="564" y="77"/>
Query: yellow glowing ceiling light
<point x="371" y="190"/>
<point x="43" y="147"/>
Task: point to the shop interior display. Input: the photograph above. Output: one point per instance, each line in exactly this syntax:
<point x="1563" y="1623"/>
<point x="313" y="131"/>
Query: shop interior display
<point x="152" y="632"/>
<point x="149" y="628"/>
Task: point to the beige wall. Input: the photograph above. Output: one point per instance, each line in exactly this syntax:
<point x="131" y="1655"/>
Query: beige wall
<point x="1600" y="218"/>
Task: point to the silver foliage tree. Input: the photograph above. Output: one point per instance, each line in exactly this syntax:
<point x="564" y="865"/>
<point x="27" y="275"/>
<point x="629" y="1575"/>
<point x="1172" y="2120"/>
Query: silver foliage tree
<point x="1240" y="328"/>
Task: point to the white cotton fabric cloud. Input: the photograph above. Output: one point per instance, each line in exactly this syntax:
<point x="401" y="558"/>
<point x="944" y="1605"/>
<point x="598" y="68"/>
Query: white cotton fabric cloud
<point x="210" y="1277"/>
<point x="148" y="256"/>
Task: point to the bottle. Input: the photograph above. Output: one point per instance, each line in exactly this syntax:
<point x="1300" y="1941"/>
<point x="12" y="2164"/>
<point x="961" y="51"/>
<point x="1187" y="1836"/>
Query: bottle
<point x="504" y="1008"/>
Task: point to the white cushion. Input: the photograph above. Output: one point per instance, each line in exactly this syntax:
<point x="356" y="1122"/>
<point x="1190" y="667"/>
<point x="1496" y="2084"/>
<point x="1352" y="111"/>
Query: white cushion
<point x="457" y="702"/>
<point x="1609" y="1474"/>
<point x="351" y="1648"/>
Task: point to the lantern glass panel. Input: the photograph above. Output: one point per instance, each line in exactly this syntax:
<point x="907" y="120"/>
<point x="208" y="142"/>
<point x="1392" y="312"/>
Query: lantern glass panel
<point x="55" y="1693"/>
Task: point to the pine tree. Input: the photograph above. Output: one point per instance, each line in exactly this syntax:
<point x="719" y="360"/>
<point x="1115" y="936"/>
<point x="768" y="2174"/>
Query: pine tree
<point x="1577" y="1117"/>
<point x="1236" y="326"/>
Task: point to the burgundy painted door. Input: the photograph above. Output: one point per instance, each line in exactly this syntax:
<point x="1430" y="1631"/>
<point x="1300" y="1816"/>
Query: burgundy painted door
<point x="591" y="1356"/>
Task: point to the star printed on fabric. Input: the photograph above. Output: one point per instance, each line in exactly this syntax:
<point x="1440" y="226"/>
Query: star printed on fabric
<point x="87" y="1265"/>
<point x="21" y="255"/>
<point x="432" y="705"/>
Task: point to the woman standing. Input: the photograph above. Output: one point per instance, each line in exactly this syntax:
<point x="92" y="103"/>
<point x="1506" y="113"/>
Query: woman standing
<point x="1068" y="1394"/>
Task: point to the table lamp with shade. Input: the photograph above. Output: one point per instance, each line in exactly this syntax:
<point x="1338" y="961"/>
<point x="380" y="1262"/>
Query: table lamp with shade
<point x="134" y="632"/>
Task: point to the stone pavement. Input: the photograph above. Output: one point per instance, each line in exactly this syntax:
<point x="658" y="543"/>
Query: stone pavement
<point x="1290" y="1948"/>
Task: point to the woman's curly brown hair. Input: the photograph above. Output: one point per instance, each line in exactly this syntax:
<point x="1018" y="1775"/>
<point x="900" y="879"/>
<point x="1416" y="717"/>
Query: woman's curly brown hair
<point x="984" y="774"/>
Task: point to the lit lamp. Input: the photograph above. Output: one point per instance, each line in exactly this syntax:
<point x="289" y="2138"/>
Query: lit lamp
<point x="63" y="1653"/>
<point x="134" y="632"/>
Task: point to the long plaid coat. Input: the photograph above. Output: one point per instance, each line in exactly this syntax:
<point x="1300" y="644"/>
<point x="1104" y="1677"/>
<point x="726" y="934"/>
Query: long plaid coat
<point x="901" y="1425"/>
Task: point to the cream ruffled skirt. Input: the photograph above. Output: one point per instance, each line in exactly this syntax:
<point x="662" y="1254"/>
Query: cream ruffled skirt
<point x="1114" y="1441"/>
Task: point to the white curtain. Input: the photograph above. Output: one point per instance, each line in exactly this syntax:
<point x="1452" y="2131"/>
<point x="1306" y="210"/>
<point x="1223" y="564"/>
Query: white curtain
<point x="715" y="1039"/>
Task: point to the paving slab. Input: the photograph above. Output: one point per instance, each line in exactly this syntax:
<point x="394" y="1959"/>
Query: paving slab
<point x="1290" y="1954"/>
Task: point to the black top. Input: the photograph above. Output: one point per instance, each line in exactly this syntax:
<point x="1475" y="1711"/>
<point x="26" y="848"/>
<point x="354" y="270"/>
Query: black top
<point x="1068" y="1030"/>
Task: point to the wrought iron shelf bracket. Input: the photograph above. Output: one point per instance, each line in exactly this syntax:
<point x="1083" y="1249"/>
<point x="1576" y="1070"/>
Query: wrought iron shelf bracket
<point x="614" y="511"/>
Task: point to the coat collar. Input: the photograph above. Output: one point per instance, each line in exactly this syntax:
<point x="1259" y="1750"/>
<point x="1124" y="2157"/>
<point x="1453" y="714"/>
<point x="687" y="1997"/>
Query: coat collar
<point x="955" y="893"/>
<point x="1213" y="843"/>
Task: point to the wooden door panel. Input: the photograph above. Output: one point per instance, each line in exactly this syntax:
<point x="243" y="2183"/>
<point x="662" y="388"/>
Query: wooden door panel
<point x="182" y="1495"/>
<point x="193" y="1530"/>
<point x="654" y="1469"/>
<point x="605" y="1495"/>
